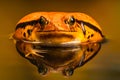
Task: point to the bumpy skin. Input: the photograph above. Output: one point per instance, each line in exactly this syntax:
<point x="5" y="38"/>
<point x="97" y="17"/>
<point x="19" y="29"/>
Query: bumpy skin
<point x="58" y="28"/>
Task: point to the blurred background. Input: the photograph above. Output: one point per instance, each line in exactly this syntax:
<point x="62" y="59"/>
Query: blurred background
<point x="104" y="66"/>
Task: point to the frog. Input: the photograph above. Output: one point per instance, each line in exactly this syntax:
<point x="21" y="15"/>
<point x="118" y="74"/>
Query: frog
<point x="66" y="29"/>
<point x="58" y="27"/>
<point x="71" y="38"/>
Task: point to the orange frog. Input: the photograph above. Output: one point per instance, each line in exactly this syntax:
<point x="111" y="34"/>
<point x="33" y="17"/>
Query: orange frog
<point x="58" y="41"/>
<point x="58" y="29"/>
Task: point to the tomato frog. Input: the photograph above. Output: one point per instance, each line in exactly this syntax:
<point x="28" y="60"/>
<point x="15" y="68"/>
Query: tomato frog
<point x="57" y="29"/>
<point x="37" y="31"/>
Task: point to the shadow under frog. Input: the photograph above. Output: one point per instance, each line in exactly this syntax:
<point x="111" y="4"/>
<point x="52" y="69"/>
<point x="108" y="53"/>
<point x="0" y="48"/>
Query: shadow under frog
<point x="58" y="59"/>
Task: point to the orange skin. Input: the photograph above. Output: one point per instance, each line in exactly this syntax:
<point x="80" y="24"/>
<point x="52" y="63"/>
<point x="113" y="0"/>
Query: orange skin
<point x="58" y="28"/>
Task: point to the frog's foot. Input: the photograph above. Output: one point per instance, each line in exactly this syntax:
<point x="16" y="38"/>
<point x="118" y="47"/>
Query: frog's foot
<point x="36" y="52"/>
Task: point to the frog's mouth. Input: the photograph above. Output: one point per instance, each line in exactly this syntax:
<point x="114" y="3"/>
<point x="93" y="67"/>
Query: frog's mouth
<point x="64" y="39"/>
<point x="55" y="35"/>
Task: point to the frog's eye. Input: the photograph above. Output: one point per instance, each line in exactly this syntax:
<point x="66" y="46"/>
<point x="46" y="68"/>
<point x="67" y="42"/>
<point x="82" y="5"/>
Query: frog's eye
<point x="70" y="21"/>
<point x="43" y="21"/>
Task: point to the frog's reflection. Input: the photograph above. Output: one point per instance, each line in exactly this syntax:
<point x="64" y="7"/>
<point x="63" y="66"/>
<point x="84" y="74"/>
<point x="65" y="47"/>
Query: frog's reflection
<point x="64" y="59"/>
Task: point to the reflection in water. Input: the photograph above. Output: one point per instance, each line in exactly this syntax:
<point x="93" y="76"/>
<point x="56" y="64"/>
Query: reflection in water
<point x="64" y="59"/>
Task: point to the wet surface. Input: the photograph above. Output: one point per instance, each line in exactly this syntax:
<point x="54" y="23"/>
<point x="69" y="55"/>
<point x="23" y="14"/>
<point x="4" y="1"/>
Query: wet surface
<point x="104" y="66"/>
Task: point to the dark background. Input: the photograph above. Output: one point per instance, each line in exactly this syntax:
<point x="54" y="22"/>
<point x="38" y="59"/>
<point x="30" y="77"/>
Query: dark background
<point x="105" y="66"/>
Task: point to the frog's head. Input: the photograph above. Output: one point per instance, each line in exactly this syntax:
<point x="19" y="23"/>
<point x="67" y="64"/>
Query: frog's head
<point x="58" y="28"/>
